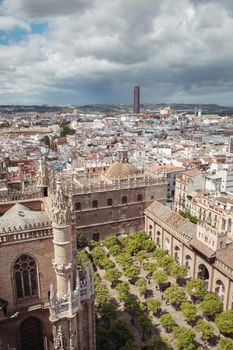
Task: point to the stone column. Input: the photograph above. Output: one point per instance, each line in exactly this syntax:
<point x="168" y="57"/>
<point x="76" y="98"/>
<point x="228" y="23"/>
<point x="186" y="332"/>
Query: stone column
<point x="62" y="240"/>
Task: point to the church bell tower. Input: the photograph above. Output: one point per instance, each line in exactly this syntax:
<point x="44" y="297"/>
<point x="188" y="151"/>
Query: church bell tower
<point x="72" y="299"/>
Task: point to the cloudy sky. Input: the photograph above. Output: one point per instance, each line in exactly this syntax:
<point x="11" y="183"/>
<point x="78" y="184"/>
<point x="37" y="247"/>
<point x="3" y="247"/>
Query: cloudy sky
<point x="95" y="51"/>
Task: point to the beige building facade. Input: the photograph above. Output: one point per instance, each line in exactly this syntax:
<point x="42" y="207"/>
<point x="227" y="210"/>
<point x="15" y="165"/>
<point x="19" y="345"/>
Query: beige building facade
<point x="203" y="249"/>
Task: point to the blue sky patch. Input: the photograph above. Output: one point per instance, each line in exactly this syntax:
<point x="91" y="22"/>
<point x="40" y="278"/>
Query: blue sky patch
<point x="18" y="34"/>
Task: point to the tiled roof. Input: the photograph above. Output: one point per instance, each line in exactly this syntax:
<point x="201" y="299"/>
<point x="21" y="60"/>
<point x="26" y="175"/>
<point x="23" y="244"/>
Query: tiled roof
<point x="202" y="248"/>
<point x="173" y="219"/>
<point x="192" y="172"/>
<point x="19" y="215"/>
<point x="226" y="256"/>
<point x="120" y="170"/>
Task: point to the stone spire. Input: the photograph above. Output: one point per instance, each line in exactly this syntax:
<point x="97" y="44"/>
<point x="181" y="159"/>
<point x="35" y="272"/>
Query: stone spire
<point x="66" y="309"/>
<point x="62" y="205"/>
<point x="42" y="174"/>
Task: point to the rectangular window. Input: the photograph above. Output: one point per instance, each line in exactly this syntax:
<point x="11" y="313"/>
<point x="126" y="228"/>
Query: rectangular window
<point x="109" y="202"/>
<point x="96" y="237"/>
<point x="95" y="204"/>
<point x="78" y="206"/>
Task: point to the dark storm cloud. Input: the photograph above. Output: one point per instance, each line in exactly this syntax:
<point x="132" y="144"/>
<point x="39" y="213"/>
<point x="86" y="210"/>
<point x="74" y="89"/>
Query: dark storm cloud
<point x="96" y="51"/>
<point x="44" y="8"/>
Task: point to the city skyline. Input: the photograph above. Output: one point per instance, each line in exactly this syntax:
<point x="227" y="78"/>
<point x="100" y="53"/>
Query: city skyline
<point x="78" y="52"/>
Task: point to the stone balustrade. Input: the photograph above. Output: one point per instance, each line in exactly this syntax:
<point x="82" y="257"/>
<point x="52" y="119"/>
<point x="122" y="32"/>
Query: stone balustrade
<point x="224" y="268"/>
<point x="28" y="232"/>
<point x="70" y="304"/>
<point x="16" y="195"/>
<point x="115" y="185"/>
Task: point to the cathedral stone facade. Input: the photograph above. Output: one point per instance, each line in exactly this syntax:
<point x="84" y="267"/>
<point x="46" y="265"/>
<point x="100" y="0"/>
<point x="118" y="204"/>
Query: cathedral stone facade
<point x="113" y="201"/>
<point x="46" y="301"/>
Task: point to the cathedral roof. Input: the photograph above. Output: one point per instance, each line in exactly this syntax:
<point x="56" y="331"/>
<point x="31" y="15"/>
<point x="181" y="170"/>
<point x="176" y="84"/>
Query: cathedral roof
<point x="121" y="170"/>
<point x="19" y="215"/>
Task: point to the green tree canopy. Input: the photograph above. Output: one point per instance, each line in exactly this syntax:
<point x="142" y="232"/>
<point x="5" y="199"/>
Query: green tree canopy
<point x="168" y="322"/>
<point x="102" y="295"/>
<point x="158" y="343"/>
<point x="150" y="266"/>
<point x="166" y="262"/>
<point x="111" y="241"/>
<point x="141" y="256"/>
<point x="176" y="295"/>
<point x="82" y="257"/>
<point x="115" y="249"/>
<point x="120" y="333"/>
<point x="112" y="275"/>
<point x="160" y="277"/>
<point x="131" y="271"/>
<point x="149" y="246"/>
<point x="123" y="291"/>
<point x="160" y="253"/>
<point x="183" y="338"/>
<point x="92" y="244"/>
<point x="196" y="288"/>
<point x="141" y="285"/>
<point x="81" y="240"/>
<point x="134" y="307"/>
<point x="145" y="324"/>
<point x="224" y="322"/>
<point x="98" y="255"/>
<point x="153" y="305"/>
<point x="66" y="130"/>
<point x="124" y="259"/>
<point x="188" y="215"/>
<point x="225" y="344"/>
<point x="211" y="305"/>
<point x="178" y="271"/>
<point x="189" y="311"/>
<point x="107" y="312"/>
<point x="206" y="329"/>
<point x="106" y="263"/>
<point x="130" y="345"/>
<point x="46" y="140"/>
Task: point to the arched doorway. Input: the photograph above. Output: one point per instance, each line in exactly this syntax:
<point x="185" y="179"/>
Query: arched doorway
<point x="177" y="255"/>
<point x="150" y="231"/>
<point x="31" y="334"/>
<point x="203" y="274"/>
<point x="220" y="289"/>
<point x="158" y="240"/>
<point x="167" y="244"/>
<point x="188" y="261"/>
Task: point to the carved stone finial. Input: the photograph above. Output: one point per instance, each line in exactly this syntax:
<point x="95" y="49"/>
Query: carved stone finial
<point x="60" y="205"/>
<point x="42" y="178"/>
<point x="59" y="340"/>
<point x="77" y="281"/>
<point x="51" y="295"/>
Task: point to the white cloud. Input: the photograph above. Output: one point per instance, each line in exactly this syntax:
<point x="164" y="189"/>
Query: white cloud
<point x="95" y="51"/>
<point x="7" y="24"/>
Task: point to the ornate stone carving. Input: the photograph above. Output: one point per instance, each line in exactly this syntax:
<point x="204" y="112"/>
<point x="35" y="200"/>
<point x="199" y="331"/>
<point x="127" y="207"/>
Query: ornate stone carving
<point x="59" y="339"/>
<point x="62" y="269"/>
<point x="61" y="206"/>
<point x="41" y="174"/>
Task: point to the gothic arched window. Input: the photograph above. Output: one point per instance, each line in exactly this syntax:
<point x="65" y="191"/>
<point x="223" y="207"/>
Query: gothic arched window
<point x="25" y="273"/>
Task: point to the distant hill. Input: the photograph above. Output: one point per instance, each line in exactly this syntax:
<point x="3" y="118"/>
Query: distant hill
<point x="113" y="108"/>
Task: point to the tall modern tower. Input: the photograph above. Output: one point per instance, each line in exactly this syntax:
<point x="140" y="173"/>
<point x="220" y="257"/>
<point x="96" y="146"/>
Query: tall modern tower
<point x="136" y="106"/>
